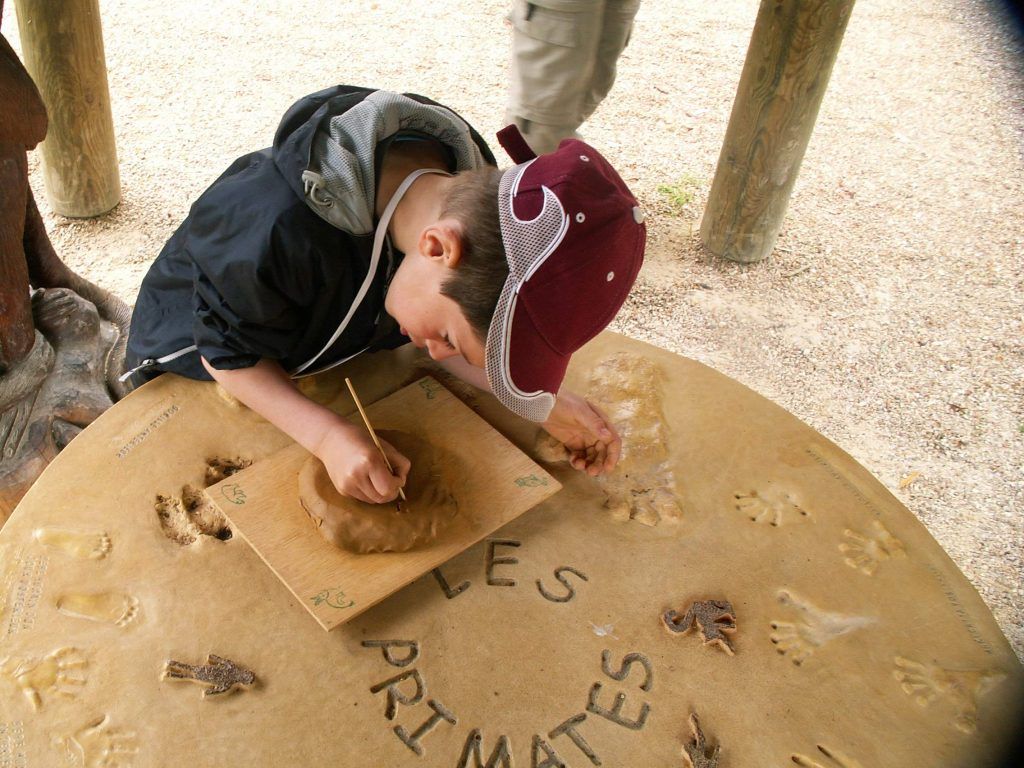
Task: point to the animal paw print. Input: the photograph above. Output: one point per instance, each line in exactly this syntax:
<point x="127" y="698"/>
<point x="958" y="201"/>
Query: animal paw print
<point x="61" y="672"/>
<point x="185" y="518"/>
<point x="97" y="745"/>
<point x="799" y="639"/>
<point x="772" y="507"/>
<point x="218" y="469"/>
<point x="928" y="682"/>
<point x="865" y="551"/>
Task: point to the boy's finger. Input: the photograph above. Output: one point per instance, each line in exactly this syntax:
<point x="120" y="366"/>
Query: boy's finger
<point x="366" y="492"/>
<point x="374" y="497"/>
<point x="401" y="465"/>
<point x="355" y="493"/>
<point x="606" y="429"/>
<point x="612" y="458"/>
<point x="383" y="483"/>
<point x="591" y="418"/>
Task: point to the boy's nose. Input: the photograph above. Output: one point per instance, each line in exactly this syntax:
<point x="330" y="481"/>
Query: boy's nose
<point x="439" y="350"/>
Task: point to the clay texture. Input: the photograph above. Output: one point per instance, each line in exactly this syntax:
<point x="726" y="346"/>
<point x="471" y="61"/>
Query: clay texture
<point x="430" y="504"/>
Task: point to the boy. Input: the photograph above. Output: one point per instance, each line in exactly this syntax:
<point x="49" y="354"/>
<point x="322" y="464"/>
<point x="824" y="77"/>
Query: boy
<point x="375" y="219"/>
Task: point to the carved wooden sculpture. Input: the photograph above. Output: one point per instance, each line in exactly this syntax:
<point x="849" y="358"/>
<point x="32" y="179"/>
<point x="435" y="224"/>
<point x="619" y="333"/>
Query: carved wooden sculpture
<point x="61" y="337"/>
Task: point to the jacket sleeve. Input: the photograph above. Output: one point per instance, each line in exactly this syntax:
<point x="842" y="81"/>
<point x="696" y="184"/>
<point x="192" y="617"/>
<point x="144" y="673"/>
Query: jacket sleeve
<point x="254" y="277"/>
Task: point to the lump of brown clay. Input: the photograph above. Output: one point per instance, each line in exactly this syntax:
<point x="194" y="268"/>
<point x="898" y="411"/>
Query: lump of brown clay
<point x="360" y="527"/>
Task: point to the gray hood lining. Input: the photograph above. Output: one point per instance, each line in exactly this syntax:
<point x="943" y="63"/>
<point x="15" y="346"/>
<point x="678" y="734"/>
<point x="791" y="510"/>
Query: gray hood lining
<point x="340" y="184"/>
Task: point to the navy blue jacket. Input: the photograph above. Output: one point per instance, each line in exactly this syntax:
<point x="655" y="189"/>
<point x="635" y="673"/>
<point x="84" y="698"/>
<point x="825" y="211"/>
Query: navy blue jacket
<point x="253" y="273"/>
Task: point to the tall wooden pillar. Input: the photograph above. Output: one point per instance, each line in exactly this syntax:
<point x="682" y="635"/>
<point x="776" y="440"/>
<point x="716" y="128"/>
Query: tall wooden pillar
<point x="62" y="44"/>
<point x="789" y="61"/>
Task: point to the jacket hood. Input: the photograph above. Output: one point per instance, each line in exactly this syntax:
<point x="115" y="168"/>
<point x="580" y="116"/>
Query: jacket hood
<point x="326" y="147"/>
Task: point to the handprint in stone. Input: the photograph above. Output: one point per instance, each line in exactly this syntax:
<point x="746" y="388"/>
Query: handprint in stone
<point x="628" y="388"/>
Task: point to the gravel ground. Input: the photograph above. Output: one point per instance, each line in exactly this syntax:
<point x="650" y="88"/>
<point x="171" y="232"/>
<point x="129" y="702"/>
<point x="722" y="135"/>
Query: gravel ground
<point x="889" y="317"/>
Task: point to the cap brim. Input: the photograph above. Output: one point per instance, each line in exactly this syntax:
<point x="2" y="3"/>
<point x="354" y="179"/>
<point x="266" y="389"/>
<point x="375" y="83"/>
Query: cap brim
<point x="524" y="372"/>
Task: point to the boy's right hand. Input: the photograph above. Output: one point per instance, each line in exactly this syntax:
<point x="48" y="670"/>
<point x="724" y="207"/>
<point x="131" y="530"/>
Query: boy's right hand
<point x="353" y="462"/>
<point x="356" y="467"/>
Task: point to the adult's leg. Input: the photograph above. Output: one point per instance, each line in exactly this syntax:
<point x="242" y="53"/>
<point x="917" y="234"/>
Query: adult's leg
<point x="554" y="47"/>
<point x="615" y="33"/>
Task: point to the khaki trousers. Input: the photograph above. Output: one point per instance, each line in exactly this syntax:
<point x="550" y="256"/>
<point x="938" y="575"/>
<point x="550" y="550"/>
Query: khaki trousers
<point x="563" y="63"/>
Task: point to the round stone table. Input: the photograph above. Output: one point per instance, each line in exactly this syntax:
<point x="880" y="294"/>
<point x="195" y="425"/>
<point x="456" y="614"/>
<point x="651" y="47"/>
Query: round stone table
<point x="739" y="593"/>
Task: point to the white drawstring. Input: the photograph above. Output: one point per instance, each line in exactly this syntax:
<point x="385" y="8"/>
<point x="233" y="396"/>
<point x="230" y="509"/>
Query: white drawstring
<point x="378" y="244"/>
<point x="312" y="183"/>
<point x="149" y="361"/>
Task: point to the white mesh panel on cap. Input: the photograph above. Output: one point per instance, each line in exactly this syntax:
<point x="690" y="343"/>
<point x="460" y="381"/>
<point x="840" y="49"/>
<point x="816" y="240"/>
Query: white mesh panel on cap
<point x="527" y="245"/>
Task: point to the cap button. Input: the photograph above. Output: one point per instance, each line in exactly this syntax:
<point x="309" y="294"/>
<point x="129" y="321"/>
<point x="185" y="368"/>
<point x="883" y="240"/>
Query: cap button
<point x="638" y="215"/>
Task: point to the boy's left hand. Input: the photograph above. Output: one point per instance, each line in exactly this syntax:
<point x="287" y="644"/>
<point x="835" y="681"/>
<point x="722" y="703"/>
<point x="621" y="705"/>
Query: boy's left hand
<point x="589" y="437"/>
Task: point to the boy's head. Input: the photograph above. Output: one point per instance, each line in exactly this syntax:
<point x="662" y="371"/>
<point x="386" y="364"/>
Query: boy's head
<point x="574" y="240"/>
<point x="482" y="269"/>
<point x="545" y="255"/>
<point x="444" y="293"/>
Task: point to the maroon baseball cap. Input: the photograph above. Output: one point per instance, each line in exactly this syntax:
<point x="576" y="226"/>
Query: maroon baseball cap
<point x="574" y="238"/>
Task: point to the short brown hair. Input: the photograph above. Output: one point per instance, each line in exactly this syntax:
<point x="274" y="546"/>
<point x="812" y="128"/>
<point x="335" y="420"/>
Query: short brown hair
<point x="482" y="268"/>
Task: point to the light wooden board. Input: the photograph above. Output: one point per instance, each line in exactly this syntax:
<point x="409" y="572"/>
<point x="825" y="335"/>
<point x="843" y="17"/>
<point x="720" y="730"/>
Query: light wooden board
<point x="499" y="483"/>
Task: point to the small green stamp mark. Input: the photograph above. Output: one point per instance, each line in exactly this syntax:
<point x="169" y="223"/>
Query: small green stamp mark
<point x="233" y="492"/>
<point x="333" y="597"/>
<point x="430" y="388"/>
<point x="530" y="481"/>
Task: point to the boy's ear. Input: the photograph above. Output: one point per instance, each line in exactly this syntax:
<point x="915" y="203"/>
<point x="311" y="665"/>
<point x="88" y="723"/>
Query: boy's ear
<point x="442" y="240"/>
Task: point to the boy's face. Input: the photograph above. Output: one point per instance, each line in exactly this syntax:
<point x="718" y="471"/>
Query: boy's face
<point x="433" y="321"/>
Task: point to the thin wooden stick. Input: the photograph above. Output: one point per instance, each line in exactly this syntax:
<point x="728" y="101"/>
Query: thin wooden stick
<point x="373" y="434"/>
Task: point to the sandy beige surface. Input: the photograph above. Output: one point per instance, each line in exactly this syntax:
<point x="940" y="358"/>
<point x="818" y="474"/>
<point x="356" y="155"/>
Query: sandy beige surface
<point x="831" y="629"/>
<point x="889" y="317"/>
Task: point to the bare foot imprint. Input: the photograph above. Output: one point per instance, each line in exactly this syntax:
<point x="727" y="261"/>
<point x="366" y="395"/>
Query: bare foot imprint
<point x="114" y="608"/>
<point x="87" y="545"/>
<point x="430" y="507"/>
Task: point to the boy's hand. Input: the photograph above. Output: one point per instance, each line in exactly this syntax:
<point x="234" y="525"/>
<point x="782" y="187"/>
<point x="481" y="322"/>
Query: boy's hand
<point x="353" y="462"/>
<point x="356" y="467"/>
<point x="592" y="442"/>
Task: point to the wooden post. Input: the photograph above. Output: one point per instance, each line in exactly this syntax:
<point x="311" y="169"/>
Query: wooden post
<point x="792" y="50"/>
<point x="62" y="43"/>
